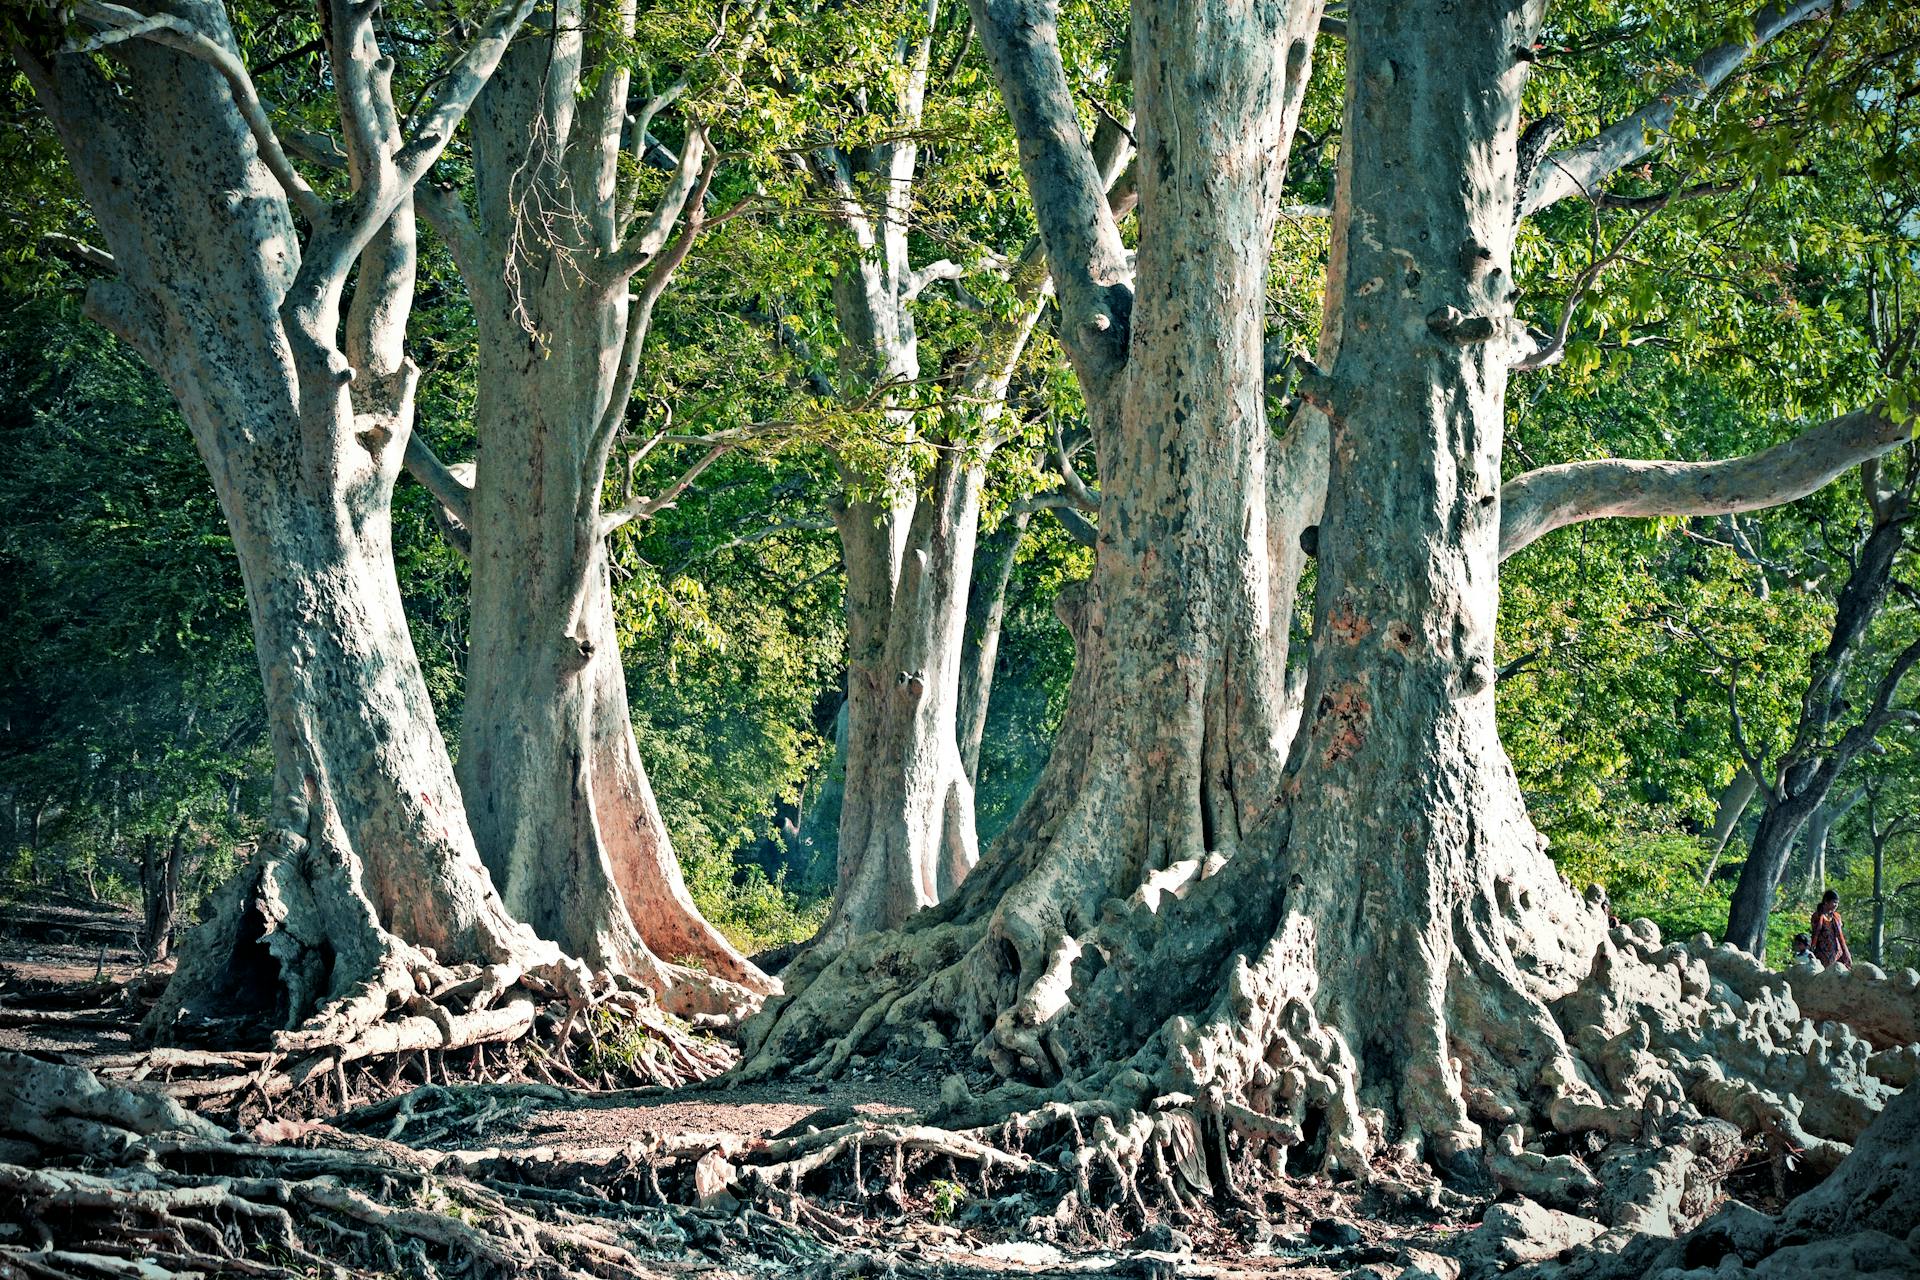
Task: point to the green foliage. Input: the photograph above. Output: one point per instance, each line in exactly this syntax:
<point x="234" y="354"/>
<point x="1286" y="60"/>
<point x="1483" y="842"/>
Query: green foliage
<point x="127" y="682"/>
<point x="945" y="1197"/>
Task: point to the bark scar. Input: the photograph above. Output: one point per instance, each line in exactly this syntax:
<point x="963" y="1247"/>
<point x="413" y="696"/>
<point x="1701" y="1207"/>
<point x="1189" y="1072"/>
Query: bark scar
<point x="1341" y="721"/>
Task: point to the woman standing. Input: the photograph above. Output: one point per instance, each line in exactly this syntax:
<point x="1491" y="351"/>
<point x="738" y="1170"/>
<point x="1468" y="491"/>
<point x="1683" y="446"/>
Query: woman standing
<point x="1829" y="937"/>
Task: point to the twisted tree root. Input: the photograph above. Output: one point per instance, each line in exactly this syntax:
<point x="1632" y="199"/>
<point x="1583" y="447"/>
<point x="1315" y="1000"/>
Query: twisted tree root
<point x="588" y="1033"/>
<point x="172" y="1195"/>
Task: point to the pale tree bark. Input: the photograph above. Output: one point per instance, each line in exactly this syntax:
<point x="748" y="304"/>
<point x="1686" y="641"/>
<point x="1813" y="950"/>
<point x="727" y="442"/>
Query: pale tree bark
<point x="1732" y="806"/>
<point x="368" y="873"/>
<point x="907" y="835"/>
<point x="1820" y="832"/>
<point x="1164" y="757"/>
<point x="1176" y="939"/>
<point x="906" y="807"/>
<point x="1540" y="501"/>
<point x="1398" y="745"/>
<point x="986" y="614"/>
<point x="561" y="807"/>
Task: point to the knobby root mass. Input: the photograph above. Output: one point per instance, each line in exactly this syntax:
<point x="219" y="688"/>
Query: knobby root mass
<point x="326" y="1006"/>
<point x="1183" y="1048"/>
<point x="165" y="1192"/>
<point x="1169" y="1059"/>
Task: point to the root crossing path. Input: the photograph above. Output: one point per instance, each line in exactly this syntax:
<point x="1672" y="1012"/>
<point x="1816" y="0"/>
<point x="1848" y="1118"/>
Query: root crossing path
<point x="891" y="1167"/>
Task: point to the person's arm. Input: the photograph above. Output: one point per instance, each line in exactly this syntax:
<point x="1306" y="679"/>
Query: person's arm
<point x="1840" y="932"/>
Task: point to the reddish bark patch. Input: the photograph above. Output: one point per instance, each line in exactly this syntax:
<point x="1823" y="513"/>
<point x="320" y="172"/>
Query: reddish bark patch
<point x="1346" y="625"/>
<point x="1340" y="722"/>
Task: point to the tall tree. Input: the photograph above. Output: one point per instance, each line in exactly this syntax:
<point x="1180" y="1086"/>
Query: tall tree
<point x="565" y="252"/>
<point x="1366" y="929"/>
<point x="301" y="408"/>
<point x="907" y="829"/>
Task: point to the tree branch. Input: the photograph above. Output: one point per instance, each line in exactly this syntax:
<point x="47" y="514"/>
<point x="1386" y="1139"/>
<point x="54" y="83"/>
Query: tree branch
<point x="1550" y="498"/>
<point x="917" y="280"/>
<point x="647" y="508"/>
<point x="1078" y="527"/>
<point x="1737" y="731"/>
<point x="1076" y="489"/>
<point x="339" y="240"/>
<point x="452" y="221"/>
<point x="77" y="251"/>
<point x="1582" y="167"/>
<point x="1550" y="351"/>
<point x="1082" y="237"/>
<point x="453" y="493"/>
<point x="641" y="246"/>
<point x="1661" y="199"/>
<point x="587" y="523"/>
<point x="462" y="85"/>
<point x="121" y="23"/>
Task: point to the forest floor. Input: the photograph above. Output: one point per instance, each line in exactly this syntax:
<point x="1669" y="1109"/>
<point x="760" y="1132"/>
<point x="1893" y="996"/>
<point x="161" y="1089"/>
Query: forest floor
<point x="1313" y="1230"/>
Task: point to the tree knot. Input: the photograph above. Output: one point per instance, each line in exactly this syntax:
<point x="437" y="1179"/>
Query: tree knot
<point x="1458" y="328"/>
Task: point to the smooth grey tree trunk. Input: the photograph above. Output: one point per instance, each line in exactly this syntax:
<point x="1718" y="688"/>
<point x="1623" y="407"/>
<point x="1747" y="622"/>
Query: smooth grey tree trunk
<point x="986" y="613"/>
<point x="1732" y="807"/>
<point x="1171" y="748"/>
<point x="1820" y="832"/>
<point x="906" y="819"/>
<point x="1877" y="932"/>
<point x="561" y="806"/>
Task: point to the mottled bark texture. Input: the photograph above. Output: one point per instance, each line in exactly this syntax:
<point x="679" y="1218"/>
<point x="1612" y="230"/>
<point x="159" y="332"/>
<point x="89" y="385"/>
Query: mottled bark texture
<point x="906" y="836"/>
<point x="1178" y="941"/>
<point x="552" y="777"/>
<point x="368" y="869"/>
<point x="906" y="819"/>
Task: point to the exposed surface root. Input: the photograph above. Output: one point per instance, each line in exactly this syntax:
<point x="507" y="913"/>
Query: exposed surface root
<point x="1882" y="1008"/>
<point x="292" y="965"/>
<point x="1191" y="1043"/>
<point x="359" y="1011"/>
<point x="169" y="1194"/>
<point x="1863" y="1221"/>
<point x="457" y="1026"/>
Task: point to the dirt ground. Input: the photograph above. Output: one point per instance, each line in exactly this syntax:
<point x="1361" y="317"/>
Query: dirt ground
<point x="53" y="952"/>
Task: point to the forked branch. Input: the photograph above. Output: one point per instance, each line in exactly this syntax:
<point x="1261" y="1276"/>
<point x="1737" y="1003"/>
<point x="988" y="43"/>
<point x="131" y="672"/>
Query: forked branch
<point x="1082" y="237"/>
<point x="117" y="23"/>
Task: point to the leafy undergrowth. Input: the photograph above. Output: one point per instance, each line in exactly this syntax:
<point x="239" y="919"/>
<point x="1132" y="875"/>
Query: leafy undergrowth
<point x="1661" y="876"/>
